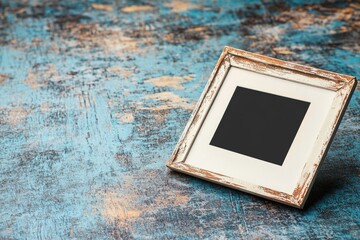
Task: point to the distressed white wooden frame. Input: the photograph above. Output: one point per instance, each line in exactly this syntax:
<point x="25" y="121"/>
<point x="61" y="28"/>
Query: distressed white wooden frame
<point x="342" y="85"/>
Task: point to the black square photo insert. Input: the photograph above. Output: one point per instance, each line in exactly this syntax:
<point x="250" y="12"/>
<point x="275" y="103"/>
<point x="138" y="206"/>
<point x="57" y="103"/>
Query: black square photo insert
<point x="260" y="125"/>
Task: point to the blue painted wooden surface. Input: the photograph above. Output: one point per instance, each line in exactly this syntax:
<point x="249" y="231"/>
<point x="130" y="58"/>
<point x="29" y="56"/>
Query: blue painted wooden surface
<point x="94" y="96"/>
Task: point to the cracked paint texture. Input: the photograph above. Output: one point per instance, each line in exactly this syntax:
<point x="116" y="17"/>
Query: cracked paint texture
<point x="95" y="94"/>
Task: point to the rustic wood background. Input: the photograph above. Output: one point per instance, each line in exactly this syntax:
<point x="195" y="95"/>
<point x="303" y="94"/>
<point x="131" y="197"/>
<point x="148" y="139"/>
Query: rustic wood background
<point x="94" y="96"/>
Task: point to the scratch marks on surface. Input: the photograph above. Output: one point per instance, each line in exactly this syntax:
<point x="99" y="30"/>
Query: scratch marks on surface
<point x="169" y="81"/>
<point x="86" y="100"/>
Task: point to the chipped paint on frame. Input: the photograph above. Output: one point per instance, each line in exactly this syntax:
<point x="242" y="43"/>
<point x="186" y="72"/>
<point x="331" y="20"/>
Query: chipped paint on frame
<point x="342" y="84"/>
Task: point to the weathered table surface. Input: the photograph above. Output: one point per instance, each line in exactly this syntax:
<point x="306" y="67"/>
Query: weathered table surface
<point x="94" y="96"/>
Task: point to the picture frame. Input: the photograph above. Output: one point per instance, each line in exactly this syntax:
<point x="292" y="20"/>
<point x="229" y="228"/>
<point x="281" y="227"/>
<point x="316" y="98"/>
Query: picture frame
<point x="312" y="100"/>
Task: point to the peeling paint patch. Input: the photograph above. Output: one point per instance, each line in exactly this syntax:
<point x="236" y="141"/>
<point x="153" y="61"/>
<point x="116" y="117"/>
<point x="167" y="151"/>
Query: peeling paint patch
<point x="40" y="76"/>
<point x="181" y="199"/>
<point x="44" y="107"/>
<point x="32" y="80"/>
<point x="179" y="35"/>
<point x="90" y="36"/>
<point x="36" y="41"/>
<point x="117" y="207"/>
<point x="283" y="50"/>
<point x="102" y="7"/>
<point x="16" y="116"/>
<point x="125" y="117"/>
<point x="120" y="71"/>
<point x="172" y="199"/>
<point x="268" y="35"/>
<point x="301" y="17"/>
<point x="137" y="8"/>
<point x="3" y="78"/>
<point x="169" y="100"/>
<point x="177" y="6"/>
<point x="169" y="81"/>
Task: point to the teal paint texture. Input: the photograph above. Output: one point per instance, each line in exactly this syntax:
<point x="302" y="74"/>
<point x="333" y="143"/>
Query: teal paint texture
<point x="94" y="96"/>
